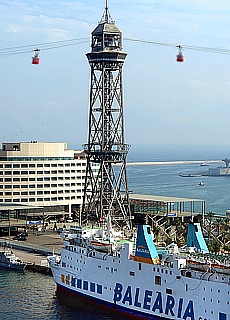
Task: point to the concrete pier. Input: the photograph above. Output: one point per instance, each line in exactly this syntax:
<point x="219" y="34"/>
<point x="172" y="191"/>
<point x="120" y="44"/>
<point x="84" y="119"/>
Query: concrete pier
<point x="35" y="250"/>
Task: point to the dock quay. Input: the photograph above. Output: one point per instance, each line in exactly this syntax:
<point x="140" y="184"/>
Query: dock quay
<point x="35" y="250"/>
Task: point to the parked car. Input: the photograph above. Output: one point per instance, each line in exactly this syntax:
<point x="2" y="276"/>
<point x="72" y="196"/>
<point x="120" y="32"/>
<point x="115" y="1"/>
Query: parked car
<point x="20" y="237"/>
<point x="61" y="219"/>
<point x="53" y="221"/>
<point x="69" y="220"/>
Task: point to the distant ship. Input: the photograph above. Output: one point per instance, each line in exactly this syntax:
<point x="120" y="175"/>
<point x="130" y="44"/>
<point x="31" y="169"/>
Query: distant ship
<point x="130" y="277"/>
<point x="190" y="174"/>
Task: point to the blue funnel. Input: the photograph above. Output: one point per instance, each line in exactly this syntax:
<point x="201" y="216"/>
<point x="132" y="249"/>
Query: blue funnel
<point x="195" y="238"/>
<point x="145" y="248"/>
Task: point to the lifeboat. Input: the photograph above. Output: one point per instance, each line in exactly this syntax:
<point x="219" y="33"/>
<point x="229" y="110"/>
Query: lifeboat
<point x="180" y="56"/>
<point x="35" y="58"/>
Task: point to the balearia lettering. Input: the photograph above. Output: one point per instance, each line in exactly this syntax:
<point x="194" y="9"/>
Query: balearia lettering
<point x="154" y="303"/>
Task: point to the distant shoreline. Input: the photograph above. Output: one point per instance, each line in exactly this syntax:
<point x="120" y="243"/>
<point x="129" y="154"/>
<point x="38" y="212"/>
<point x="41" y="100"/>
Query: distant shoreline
<point x="162" y="163"/>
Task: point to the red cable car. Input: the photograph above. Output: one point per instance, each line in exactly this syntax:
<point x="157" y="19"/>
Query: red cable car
<point x="35" y="58"/>
<point x="180" y="56"/>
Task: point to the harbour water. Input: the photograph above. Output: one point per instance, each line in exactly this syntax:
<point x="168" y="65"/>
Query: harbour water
<point x="27" y="295"/>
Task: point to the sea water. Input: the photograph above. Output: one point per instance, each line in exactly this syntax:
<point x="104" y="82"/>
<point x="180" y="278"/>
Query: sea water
<point x="27" y="295"/>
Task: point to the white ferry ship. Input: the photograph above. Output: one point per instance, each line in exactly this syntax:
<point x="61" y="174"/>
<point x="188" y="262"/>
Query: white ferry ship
<point x="130" y="277"/>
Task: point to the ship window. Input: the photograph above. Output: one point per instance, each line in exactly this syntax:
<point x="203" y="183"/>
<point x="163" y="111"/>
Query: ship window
<point x="139" y="266"/>
<point x="63" y="264"/>
<point x="132" y="273"/>
<point x="99" y="288"/>
<point x="158" y="280"/>
<point x="99" y="267"/>
<point x="168" y="291"/>
<point x="92" y="286"/>
<point x="73" y="282"/>
<point x="79" y="283"/>
<point x="85" y="285"/>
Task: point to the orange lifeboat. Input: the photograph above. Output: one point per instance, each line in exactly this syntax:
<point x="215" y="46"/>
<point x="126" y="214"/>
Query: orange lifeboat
<point x="35" y="58"/>
<point x="180" y="56"/>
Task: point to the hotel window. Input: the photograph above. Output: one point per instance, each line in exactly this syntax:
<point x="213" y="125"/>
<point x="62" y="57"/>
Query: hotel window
<point x="47" y="172"/>
<point x="39" y="192"/>
<point x="46" y="179"/>
<point x="39" y="165"/>
<point x="24" y="200"/>
<point x="16" y="193"/>
<point x="24" y="165"/>
<point x="8" y="166"/>
<point x="1" y="172"/>
<point x="16" y="200"/>
<point x="32" y="186"/>
<point x="39" y="179"/>
<point x="32" y="199"/>
<point x="16" y="186"/>
<point x="24" y="186"/>
<point x="24" y="179"/>
<point x="8" y="172"/>
<point x="8" y="179"/>
<point x="16" y="179"/>
<point x="47" y="199"/>
<point x="16" y="165"/>
<point x="24" y="193"/>
<point x="8" y="186"/>
<point x="46" y="192"/>
<point x="24" y="172"/>
<point x="39" y="172"/>
<point x="31" y="172"/>
<point x="32" y="193"/>
<point x="40" y="199"/>
<point x="54" y="171"/>
<point x="53" y="165"/>
<point x="8" y="200"/>
<point x="47" y="185"/>
<point x="46" y="165"/>
<point x="54" y="179"/>
<point x="54" y="199"/>
<point x="8" y="193"/>
<point x="32" y="165"/>
<point x="39" y="185"/>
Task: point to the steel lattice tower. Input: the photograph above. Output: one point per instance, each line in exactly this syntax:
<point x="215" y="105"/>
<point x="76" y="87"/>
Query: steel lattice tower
<point x="106" y="191"/>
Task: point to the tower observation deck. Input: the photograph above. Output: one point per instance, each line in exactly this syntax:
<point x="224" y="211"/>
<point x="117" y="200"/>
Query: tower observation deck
<point x="106" y="191"/>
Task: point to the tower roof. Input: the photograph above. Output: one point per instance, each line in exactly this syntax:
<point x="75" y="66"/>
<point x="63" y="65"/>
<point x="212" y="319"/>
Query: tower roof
<point x="105" y="27"/>
<point x="106" y="24"/>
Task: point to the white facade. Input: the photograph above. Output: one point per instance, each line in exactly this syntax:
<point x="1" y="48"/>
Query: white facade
<point x="41" y="174"/>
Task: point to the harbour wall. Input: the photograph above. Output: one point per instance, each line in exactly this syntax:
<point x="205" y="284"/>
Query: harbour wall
<point x="164" y="163"/>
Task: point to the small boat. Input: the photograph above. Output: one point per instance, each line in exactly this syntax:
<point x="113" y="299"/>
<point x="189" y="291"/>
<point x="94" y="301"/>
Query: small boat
<point x="198" y="265"/>
<point x="201" y="184"/>
<point x="221" y="268"/>
<point x="101" y="246"/>
<point x="204" y="164"/>
<point x="9" y="260"/>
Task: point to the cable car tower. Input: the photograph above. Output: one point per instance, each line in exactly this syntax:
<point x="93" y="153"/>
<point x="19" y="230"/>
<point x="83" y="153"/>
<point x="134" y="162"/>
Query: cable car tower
<point x="106" y="191"/>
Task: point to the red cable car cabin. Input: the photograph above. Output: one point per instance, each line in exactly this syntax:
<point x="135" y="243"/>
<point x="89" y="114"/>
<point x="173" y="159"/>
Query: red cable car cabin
<point x="180" y="56"/>
<point x="35" y="58"/>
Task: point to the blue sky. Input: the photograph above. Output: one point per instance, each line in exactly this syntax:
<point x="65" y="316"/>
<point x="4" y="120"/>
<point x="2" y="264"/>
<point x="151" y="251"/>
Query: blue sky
<point x="165" y="102"/>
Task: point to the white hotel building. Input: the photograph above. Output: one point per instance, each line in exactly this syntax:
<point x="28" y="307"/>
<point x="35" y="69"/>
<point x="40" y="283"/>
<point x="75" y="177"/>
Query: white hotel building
<point x="44" y="174"/>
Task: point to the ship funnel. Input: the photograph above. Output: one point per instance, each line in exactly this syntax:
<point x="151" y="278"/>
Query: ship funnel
<point x="195" y="238"/>
<point x="145" y="248"/>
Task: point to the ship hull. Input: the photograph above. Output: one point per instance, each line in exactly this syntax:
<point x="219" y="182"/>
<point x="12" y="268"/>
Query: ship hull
<point x="72" y="297"/>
